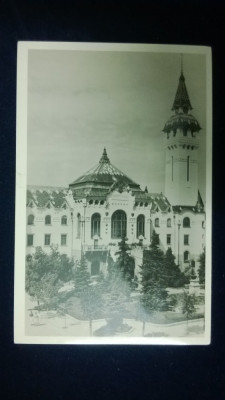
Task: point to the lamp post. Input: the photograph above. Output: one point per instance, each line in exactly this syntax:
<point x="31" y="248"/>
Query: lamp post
<point x="178" y="255"/>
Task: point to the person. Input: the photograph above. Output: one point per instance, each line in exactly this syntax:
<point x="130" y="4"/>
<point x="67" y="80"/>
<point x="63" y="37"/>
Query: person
<point x="31" y="315"/>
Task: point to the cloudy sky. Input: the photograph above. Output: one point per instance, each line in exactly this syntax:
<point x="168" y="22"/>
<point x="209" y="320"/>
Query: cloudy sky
<point x="82" y="101"/>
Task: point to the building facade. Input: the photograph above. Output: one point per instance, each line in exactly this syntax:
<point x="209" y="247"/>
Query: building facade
<point x="103" y="204"/>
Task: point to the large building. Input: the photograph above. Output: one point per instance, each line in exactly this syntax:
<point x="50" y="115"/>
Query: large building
<point x="92" y="214"/>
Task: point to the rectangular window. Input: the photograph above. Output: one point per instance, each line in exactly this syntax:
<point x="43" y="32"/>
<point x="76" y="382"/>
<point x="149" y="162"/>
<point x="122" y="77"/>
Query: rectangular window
<point x="63" y="240"/>
<point x="168" y="239"/>
<point x="47" y="240"/>
<point x="30" y="240"/>
<point x="186" y="239"/>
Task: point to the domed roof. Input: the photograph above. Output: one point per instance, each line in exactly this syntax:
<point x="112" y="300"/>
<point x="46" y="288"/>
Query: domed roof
<point x="182" y="121"/>
<point x="104" y="174"/>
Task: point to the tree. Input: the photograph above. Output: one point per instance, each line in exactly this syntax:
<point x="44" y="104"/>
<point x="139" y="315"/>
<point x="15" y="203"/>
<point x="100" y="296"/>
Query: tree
<point x="201" y="270"/>
<point x="124" y="263"/>
<point x="188" y="305"/>
<point x="81" y="277"/>
<point x="46" y="274"/>
<point x="91" y="303"/>
<point x="153" y="281"/>
<point x="174" y="276"/>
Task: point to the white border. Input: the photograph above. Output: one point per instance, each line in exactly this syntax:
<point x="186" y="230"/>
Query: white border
<point x="21" y="182"/>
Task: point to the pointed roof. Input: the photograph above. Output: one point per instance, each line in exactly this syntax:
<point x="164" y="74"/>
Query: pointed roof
<point x="104" y="174"/>
<point x="182" y="101"/>
<point x="182" y="119"/>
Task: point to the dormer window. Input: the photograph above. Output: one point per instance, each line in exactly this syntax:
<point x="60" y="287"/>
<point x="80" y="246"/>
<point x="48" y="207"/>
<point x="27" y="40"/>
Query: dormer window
<point x="30" y="219"/>
<point x="48" y="220"/>
<point x="64" y="220"/>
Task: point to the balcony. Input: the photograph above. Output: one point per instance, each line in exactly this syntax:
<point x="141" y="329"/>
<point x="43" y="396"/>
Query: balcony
<point x="101" y="247"/>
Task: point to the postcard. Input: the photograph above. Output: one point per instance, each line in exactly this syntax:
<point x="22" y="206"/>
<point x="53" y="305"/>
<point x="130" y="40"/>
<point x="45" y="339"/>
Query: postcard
<point x="113" y="194"/>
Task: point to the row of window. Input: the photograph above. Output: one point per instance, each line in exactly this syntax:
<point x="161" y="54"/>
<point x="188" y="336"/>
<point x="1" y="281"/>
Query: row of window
<point x="119" y="224"/>
<point x="185" y="223"/>
<point x="48" y="220"/>
<point x="169" y="239"/>
<point x="47" y="240"/>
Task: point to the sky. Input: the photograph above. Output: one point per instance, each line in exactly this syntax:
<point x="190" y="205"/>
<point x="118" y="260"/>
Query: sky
<point x="82" y="101"/>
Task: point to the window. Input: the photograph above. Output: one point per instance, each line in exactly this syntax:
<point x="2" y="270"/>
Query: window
<point x="30" y="240"/>
<point x="95" y="224"/>
<point x="78" y="225"/>
<point x="168" y="223"/>
<point x="188" y="167"/>
<point x="30" y="220"/>
<point x="157" y="222"/>
<point x="47" y="240"/>
<point x="95" y="267"/>
<point x="186" y="239"/>
<point x="140" y="225"/>
<point x="186" y="256"/>
<point x="63" y="240"/>
<point x="168" y="239"/>
<point x="64" y="220"/>
<point x="118" y="224"/>
<point x="186" y="222"/>
<point x="48" y="220"/>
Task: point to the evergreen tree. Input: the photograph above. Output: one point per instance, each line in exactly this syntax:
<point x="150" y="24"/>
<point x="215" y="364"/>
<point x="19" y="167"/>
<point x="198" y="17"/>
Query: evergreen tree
<point x="81" y="277"/>
<point x="124" y="263"/>
<point x="201" y="270"/>
<point x="188" y="305"/>
<point x="153" y="278"/>
<point x="173" y="275"/>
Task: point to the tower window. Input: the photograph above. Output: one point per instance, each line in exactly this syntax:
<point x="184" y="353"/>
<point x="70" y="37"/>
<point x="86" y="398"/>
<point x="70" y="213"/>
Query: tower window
<point x="30" y="240"/>
<point x="48" y="220"/>
<point x="30" y="220"/>
<point x="47" y="240"/>
<point x="63" y="240"/>
<point x="186" y="222"/>
<point x="118" y="224"/>
<point x="168" y="223"/>
<point x="95" y="224"/>
<point x="157" y="222"/>
<point x="64" y="220"/>
<point x="188" y="167"/>
<point x="140" y="225"/>
<point x="186" y="256"/>
<point x="186" y="239"/>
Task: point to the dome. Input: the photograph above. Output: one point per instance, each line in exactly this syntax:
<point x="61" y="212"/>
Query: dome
<point x="103" y="175"/>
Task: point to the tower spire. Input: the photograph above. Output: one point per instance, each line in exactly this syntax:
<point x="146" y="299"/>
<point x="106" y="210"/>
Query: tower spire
<point x="182" y="101"/>
<point x="181" y="63"/>
<point x="104" y="158"/>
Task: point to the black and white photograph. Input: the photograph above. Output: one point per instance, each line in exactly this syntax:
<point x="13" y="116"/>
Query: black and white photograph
<point x="113" y="194"/>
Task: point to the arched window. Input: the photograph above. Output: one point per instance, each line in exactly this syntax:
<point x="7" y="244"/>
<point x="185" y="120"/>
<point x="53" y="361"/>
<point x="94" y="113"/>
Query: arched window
<point x="30" y="219"/>
<point x="140" y="225"/>
<point x="95" y="224"/>
<point x="64" y="220"/>
<point x="168" y="223"/>
<point x="118" y="224"/>
<point x="157" y="222"/>
<point x="48" y="220"/>
<point x="186" y="256"/>
<point x="186" y="222"/>
<point x="95" y="267"/>
<point x="78" y="225"/>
